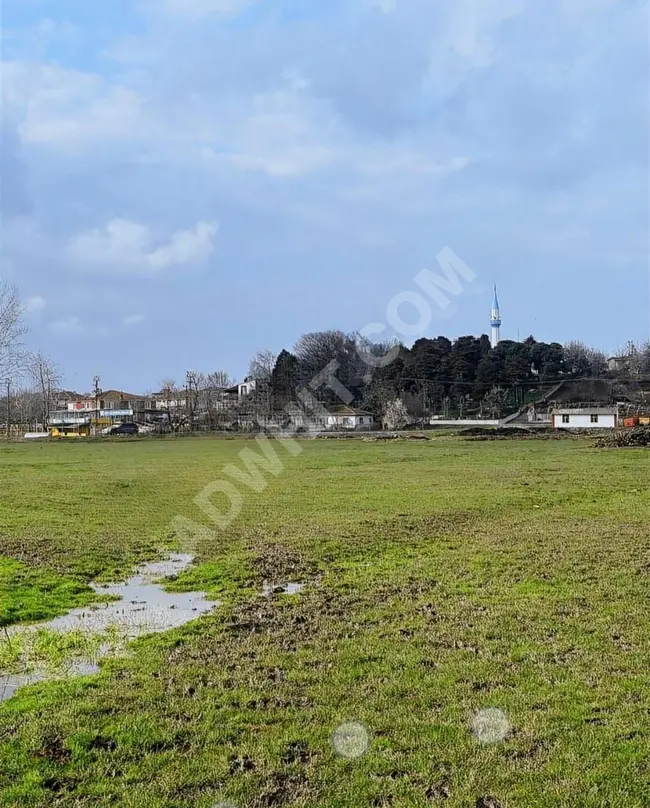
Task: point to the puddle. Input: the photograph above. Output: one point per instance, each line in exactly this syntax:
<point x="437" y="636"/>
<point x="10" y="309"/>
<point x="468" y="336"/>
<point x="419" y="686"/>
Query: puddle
<point x="283" y="589"/>
<point x="9" y="683"/>
<point x="144" y="608"/>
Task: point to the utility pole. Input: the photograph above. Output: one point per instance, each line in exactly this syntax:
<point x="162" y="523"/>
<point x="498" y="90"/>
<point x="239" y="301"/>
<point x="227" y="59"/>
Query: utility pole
<point x="8" y="409"/>
<point x="188" y="394"/>
<point x="97" y="391"/>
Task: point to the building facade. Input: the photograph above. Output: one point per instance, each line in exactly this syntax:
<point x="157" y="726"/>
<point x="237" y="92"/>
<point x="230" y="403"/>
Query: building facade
<point x="348" y="418"/>
<point x="586" y="418"/>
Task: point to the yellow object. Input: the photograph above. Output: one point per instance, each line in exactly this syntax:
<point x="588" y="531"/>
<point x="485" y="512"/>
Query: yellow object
<point x="70" y="431"/>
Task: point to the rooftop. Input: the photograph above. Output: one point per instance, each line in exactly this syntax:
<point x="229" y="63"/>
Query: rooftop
<point x="343" y="409"/>
<point x="586" y="411"/>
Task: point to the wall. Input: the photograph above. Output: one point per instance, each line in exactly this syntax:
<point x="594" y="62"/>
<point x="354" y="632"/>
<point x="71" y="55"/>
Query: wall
<point x="477" y="422"/>
<point x="584" y="422"/>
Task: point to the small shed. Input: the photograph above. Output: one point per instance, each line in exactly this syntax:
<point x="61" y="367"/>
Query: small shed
<point x="586" y="418"/>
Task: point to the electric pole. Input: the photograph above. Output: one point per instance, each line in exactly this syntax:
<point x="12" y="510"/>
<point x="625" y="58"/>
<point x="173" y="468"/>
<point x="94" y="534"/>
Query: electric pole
<point x="97" y="391"/>
<point x="8" y="409"/>
<point x="188" y="395"/>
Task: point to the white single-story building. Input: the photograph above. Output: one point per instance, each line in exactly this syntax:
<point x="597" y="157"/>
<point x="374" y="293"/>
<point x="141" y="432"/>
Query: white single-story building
<point x="348" y="418"/>
<point x="586" y="418"/>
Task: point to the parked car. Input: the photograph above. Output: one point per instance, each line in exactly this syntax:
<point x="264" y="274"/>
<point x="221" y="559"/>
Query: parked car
<point x="125" y="429"/>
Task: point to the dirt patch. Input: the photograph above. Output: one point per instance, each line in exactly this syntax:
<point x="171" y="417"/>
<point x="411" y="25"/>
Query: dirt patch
<point x="475" y="433"/>
<point x="487" y="802"/>
<point x="285" y="788"/>
<point x="275" y="564"/>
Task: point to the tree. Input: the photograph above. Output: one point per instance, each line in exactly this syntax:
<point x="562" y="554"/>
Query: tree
<point x="46" y="377"/>
<point x="581" y="360"/>
<point x="490" y="372"/>
<point x="322" y="349"/>
<point x="215" y="403"/>
<point x="174" y="405"/>
<point x="219" y="380"/>
<point x="284" y="380"/>
<point x="12" y="329"/>
<point x="387" y="384"/>
<point x="576" y="358"/>
<point x="644" y="361"/>
<point x="260" y="371"/>
<point x="495" y="401"/>
<point x="394" y="415"/>
<point x="548" y="360"/>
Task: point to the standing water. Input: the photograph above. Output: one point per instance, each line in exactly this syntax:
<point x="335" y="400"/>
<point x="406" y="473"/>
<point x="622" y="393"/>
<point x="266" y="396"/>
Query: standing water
<point x="144" y="608"/>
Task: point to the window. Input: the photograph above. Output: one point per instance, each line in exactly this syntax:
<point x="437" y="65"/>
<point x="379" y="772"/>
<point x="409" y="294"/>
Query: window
<point x="594" y="419"/>
<point x="566" y="419"/>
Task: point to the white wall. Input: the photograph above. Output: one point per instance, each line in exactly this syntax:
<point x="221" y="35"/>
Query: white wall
<point x="584" y="422"/>
<point x="458" y="422"/>
<point x="348" y="421"/>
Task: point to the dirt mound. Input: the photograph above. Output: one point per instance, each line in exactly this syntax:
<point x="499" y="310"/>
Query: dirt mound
<point x="506" y="433"/>
<point x="621" y="438"/>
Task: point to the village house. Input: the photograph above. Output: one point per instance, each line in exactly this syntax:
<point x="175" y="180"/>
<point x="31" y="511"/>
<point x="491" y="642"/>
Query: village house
<point x="586" y="418"/>
<point x="108" y="408"/>
<point x="344" y="417"/>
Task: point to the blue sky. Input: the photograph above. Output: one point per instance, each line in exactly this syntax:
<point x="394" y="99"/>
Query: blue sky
<point x="186" y="182"/>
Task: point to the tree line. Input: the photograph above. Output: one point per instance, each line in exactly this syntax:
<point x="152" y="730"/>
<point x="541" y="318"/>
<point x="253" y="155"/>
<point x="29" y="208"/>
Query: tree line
<point x="433" y="376"/>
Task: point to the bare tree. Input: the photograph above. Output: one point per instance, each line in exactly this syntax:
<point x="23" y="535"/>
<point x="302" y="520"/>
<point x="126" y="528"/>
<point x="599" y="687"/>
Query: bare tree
<point x="12" y="329"/>
<point x="46" y="378"/>
<point x="261" y="365"/>
<point x="25" y="408"/>
<point x="215" y="404"/>
<point x="644" y="362"/>
<point x="220" y="380"/>
<point x="581" y="360"/>
<point x="494" y="401"/>
<point x="259" y="372"/>
<point x="321" y="349"/>
<point x="172" y="404"/>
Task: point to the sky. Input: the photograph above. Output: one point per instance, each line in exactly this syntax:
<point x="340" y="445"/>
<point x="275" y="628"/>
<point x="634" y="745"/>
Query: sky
<point x="186" y="182"/>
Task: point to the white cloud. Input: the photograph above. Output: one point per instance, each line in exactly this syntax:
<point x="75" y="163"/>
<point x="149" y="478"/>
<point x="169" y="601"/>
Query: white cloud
<point x="67" y="325"/>
<point x="286" y="134"/>
<point x="35" y="305"/>
<point x="68" y="109"/>
<point x="134" y="319"/>
<point x="124" y="246"/>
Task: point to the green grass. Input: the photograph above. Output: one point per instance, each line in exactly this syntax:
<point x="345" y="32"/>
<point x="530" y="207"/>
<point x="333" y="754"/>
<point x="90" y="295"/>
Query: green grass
<point x="442" y="578"/>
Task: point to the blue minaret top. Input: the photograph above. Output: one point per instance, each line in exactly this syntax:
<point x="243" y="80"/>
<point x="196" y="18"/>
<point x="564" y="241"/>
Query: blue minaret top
<point x="496" y="316"/>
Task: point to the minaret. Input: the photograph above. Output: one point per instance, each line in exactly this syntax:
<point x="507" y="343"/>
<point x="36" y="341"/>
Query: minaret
<point x="495" y="321"/>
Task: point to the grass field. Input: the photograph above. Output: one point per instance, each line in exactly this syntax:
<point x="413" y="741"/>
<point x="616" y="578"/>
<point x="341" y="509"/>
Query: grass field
<point x="443" y="578"/>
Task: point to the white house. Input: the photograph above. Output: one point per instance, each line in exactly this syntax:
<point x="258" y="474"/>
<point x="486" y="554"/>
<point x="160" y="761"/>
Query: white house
<point x="586" y="418"/>
<point x="246" y="388"/>
<point x="348" y="418"/>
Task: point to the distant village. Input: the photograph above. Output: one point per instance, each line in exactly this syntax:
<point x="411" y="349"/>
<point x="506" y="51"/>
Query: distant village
<point x="332" y="381"/>
<point x="434" y="383"/>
